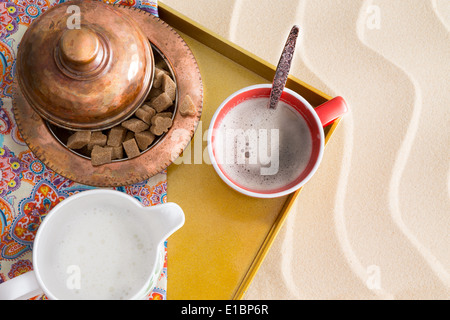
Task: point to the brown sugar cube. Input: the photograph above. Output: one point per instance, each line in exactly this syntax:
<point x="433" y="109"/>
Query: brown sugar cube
<point x="144" y="139"/>
<point x="79" y="139"/>
<point x="154" y="92"/>
<point x="131" y="148"/>
<point x="97" y="139"/>
<point x="165" y="114"/>
<point x="157" y="80"/>
<point x="156" y="117"/>
<point x="117" y="152"/>
<point x="187" y="107"/>
<point x="162" y="115"/>
<point x="168" y="86"/>
<point x="116" y="136"/>
<point x="130" y="135"/>
<point x="149" y="109"/>
<point x="144" y="115"/>
<point x="101" y="155"/>
<point x="160" y="125"/>
<point x="161" y="102"/>
<point x="135" y="125"/>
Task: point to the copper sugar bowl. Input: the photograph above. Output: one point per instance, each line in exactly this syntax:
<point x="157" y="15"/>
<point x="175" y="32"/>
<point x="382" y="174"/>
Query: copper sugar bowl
<point x="85" y="65"/>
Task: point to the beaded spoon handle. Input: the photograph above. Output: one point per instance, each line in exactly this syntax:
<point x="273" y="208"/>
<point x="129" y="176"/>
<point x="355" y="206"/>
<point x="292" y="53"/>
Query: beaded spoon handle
<point x="284" y="65"/>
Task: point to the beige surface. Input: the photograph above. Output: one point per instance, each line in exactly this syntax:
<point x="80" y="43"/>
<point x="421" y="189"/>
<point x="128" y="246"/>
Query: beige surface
<point x="374" y="221"/>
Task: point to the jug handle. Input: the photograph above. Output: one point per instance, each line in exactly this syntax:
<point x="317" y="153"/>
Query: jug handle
<point x="21" y="287"/>
<point x="331" y="110"/>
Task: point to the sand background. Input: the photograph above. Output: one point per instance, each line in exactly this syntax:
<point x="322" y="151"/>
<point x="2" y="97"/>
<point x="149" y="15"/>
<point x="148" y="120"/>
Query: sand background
<point x="374" y="222"/>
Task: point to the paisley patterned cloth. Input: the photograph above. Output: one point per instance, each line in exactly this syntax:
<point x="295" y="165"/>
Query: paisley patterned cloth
<point x="28" y="189"/>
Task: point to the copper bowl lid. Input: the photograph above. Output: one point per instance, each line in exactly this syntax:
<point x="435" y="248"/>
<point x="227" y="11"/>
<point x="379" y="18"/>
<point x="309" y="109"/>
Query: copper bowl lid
<point x="87" y="67"/>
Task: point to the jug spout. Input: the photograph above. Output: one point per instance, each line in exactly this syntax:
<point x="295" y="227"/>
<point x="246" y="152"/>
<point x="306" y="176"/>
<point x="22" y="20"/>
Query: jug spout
<point x="168" y="218"/>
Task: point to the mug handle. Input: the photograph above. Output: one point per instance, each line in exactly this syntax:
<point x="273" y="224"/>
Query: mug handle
<point x="21" y="287"/>
<point x="331" y="110"/>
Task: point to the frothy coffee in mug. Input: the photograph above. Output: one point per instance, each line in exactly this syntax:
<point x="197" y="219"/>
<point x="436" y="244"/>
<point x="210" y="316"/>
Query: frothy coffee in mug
<point x="260" y="148"/>
<point x="101" y="253"/>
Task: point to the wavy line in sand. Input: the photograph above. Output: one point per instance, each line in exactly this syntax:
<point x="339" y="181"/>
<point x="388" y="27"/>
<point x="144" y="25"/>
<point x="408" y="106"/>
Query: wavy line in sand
<point x="439" y="5"/>
<point x="403" y="155"/>
<point x="361" y="271"/>
<point x="342" y="232"/>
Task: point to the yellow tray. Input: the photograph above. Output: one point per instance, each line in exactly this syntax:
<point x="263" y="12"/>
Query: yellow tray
<point x="226" y="236"/>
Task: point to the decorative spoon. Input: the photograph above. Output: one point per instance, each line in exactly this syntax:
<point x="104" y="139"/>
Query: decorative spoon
<point x="284" y="65"/>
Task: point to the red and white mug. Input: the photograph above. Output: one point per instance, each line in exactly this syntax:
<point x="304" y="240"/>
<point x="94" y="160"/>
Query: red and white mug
<point x="316" y="118"/>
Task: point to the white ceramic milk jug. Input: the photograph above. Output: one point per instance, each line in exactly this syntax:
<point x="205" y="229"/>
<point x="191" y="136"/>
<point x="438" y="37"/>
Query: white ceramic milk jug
<point x="97" y="244"/>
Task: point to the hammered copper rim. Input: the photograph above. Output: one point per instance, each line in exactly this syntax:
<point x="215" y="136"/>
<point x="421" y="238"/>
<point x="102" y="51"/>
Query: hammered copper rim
<point x="61" y="160"/>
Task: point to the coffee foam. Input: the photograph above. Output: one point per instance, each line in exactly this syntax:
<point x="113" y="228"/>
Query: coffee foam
<point x="109" y="249"/>
<point x="260" y="148"/>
